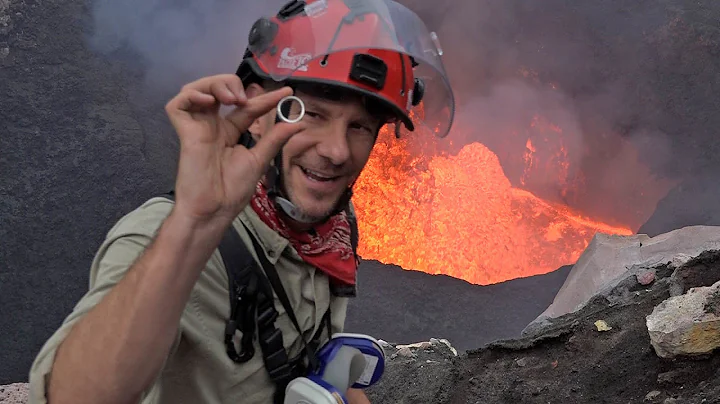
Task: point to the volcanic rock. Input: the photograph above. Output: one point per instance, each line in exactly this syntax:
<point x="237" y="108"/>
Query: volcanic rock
<point x="16" y="393"/>
<point x="402" y="306"/>
<point x="405" y="352"/>
<point x="687" y="324"/>
<point x="651" y="396"/>
<point x="422" y="377"/>
<point x="645" y="278"/>
<point x="570" y="361"/>
<point x="608" y="260"/>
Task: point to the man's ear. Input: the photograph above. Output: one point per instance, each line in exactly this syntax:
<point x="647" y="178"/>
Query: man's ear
<point x="256" y="128"/>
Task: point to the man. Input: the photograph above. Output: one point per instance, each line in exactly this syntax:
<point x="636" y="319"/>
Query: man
<point x="150" y="329"/>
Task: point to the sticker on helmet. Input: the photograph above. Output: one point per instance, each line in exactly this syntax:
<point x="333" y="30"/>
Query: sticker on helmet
<point x="288" y="60"/>
<point x="316" y="8"/>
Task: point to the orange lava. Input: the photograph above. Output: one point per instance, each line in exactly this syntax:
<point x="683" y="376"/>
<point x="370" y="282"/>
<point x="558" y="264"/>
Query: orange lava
<point x="458" y="215"/>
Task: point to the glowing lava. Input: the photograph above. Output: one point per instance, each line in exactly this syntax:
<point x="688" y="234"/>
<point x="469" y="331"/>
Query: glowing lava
<point x="459" y="215"/>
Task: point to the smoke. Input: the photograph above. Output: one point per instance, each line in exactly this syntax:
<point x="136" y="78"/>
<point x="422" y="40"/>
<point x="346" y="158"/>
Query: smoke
<point x="612" y="75"/>
<point x="616" y="77"/>
<point x="178" y="40"/>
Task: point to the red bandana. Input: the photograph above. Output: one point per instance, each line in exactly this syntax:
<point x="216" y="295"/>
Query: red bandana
<point x="329" y="249"/>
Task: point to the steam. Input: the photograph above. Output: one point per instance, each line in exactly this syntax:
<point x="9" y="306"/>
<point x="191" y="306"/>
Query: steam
<point x="590" y="70"/>
<point x="596" y="70"/>
<point x="178" y="40"/>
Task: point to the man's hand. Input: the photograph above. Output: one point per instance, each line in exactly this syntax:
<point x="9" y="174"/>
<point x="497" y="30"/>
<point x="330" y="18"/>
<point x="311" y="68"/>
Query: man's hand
<point x="357" y="396"/>
<point x="216" y="176"/>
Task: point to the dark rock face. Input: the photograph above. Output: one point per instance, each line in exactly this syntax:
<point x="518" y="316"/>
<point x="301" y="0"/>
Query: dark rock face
<point x="75" y="157"/>
<point x="424" y="374"/>
<point x="403" y="306"/>
<point x="692" y="202"/>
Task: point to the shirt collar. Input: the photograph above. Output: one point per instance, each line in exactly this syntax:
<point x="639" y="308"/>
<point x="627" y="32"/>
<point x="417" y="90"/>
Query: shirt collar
<point x="273" y="243"/>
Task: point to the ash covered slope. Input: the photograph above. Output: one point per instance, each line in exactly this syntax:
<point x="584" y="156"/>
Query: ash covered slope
<point x="404" y="306"/>
<point x="570" y="360"/>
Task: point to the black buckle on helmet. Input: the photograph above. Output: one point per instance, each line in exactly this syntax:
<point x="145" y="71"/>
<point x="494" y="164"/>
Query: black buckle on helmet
<point x="291" y="9"/>
<point x="418" y="92"/>
<point x="261" y="36"/>
<point x="369" y="69"/>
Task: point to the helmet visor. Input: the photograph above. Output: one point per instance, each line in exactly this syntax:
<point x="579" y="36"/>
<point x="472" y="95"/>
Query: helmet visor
<point x="329" y="26"/>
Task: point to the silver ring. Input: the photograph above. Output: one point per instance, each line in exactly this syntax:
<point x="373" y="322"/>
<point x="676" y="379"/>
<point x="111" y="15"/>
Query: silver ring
<point x="291" y="98"/>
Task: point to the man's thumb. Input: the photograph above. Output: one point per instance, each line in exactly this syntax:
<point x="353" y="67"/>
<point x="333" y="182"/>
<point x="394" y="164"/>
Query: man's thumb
<point x="270" y="144"/>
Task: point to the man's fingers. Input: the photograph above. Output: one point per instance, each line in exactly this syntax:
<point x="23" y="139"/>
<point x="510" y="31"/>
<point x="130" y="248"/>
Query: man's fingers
<point x="236" y="87"/>
<point x="255" y="107"/>
<point x="270" y="143"/>
<point x="189" y="101"/>
<point x="225" y="88"/>
<point x="196" y="98"/>
<point x="206" y="84"/>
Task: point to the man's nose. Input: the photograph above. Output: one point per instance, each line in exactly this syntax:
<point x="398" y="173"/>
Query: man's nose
<point x="334" y="145"/>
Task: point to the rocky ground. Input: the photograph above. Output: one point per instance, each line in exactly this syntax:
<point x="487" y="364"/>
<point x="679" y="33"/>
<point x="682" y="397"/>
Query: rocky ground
<point x="570" y="361"/>
<point x="15" y="393"/>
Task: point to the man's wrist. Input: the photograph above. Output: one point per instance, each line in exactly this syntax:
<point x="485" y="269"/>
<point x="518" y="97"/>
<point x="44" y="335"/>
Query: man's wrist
<point x="357" y="396"/>
<point x="179" y="222"/>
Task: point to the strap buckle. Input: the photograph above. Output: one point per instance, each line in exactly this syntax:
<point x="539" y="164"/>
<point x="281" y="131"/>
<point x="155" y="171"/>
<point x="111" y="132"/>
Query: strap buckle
<point x="241" y="314"/>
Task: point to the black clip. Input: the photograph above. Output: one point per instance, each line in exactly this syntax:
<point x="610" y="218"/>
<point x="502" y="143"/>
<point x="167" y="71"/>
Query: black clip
<point x="291" y="9"/>
<point x="369" y="69"/>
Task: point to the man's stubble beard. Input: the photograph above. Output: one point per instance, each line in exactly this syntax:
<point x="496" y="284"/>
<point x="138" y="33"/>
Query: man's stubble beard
<point x="324" y="215"/>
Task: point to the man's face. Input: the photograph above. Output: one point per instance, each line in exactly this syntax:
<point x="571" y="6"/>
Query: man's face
<point x="322" y="161"/>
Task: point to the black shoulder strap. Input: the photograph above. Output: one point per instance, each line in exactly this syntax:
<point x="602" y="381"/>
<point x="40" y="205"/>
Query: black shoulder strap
<point x="354" y="233"/>
<point x="346" y="290"/>
<point x="243" y="287"/>
<point x="276" y="283"/>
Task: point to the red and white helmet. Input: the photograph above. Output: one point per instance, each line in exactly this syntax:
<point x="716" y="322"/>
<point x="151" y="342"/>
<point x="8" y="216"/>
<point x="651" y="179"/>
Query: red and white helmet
<point x="377" y="48"/>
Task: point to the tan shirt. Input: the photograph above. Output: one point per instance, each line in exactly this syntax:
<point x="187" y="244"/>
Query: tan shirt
<point x="198" y="369"/>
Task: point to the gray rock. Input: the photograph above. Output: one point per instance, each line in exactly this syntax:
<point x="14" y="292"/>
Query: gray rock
<point x="645" y="278"/>
<point x="686" y="325"/>
<point x="16" y="393"/>
<point x="522" y="362"/>
<point x="425" y="378"/>
<point x="609" y="260"/>
<point x="405" y="352"/>
<point x="667" y="377"/>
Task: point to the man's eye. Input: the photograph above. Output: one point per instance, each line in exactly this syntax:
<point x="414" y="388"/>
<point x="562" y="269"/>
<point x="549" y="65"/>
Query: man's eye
<point x="312" y="114"/>
<point x="359" y="126"/>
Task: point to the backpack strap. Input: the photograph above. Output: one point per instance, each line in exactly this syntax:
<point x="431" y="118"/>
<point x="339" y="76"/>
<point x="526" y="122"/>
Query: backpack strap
<point x="354" y="232"/>
<point x="243" y="288"/>
<point x="342" y="290"/>
<point x="275" y="355"/>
